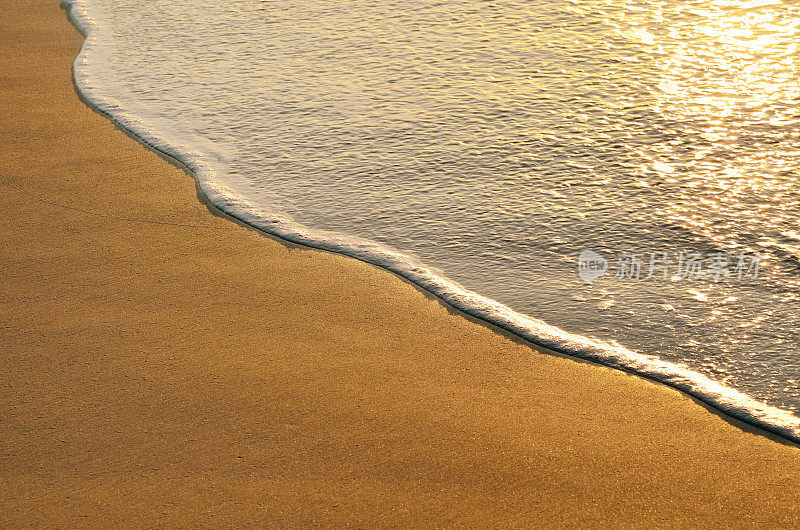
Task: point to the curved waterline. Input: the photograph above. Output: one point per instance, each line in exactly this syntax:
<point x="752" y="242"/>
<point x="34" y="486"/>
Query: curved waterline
<point x="721" y="397"/>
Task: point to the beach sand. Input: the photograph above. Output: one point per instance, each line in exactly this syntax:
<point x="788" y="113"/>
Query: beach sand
<point x="163" y="365"/>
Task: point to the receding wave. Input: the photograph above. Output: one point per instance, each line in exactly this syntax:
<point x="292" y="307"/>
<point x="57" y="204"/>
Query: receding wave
<point x="200" y="162"/>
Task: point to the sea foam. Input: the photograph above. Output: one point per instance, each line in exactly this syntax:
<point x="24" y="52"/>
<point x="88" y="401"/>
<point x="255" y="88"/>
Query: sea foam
<point x="201" y="160"/>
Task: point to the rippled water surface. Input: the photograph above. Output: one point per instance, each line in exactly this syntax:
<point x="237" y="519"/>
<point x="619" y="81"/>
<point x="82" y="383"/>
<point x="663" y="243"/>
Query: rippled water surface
<point x="497" y="140"/>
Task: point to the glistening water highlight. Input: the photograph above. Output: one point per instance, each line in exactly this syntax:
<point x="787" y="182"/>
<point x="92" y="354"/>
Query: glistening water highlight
<point x="205" y="163"/>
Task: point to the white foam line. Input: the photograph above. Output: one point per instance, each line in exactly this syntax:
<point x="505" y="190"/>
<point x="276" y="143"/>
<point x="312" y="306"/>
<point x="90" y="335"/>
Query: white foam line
<point x="717" y="395"/>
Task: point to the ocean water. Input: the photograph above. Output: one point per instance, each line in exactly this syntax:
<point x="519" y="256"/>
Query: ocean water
<point x="478" y="148"/>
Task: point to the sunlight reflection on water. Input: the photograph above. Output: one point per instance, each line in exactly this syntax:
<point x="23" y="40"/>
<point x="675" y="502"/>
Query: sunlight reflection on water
<point x="497" y="140"/>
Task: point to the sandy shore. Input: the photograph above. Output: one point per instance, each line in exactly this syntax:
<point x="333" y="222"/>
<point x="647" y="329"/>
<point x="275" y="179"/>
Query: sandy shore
<point x="161" y="365"/>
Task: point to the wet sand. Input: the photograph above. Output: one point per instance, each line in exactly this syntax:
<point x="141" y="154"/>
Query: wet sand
<point x="163" y="365"/>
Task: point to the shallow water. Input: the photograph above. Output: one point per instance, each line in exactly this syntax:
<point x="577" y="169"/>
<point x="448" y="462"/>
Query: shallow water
<point x="496" y="141"/>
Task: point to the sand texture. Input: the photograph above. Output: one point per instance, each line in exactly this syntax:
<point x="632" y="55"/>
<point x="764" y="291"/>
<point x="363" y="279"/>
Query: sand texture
<point x="163" y="365"/>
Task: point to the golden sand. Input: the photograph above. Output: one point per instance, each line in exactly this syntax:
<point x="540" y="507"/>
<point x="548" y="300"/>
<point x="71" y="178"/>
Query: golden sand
<point x="162" y="365"/>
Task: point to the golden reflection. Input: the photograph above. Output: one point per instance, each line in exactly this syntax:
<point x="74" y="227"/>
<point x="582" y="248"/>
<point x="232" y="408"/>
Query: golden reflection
<point x="735" y="59"/>
<point x="726" y="91"/>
